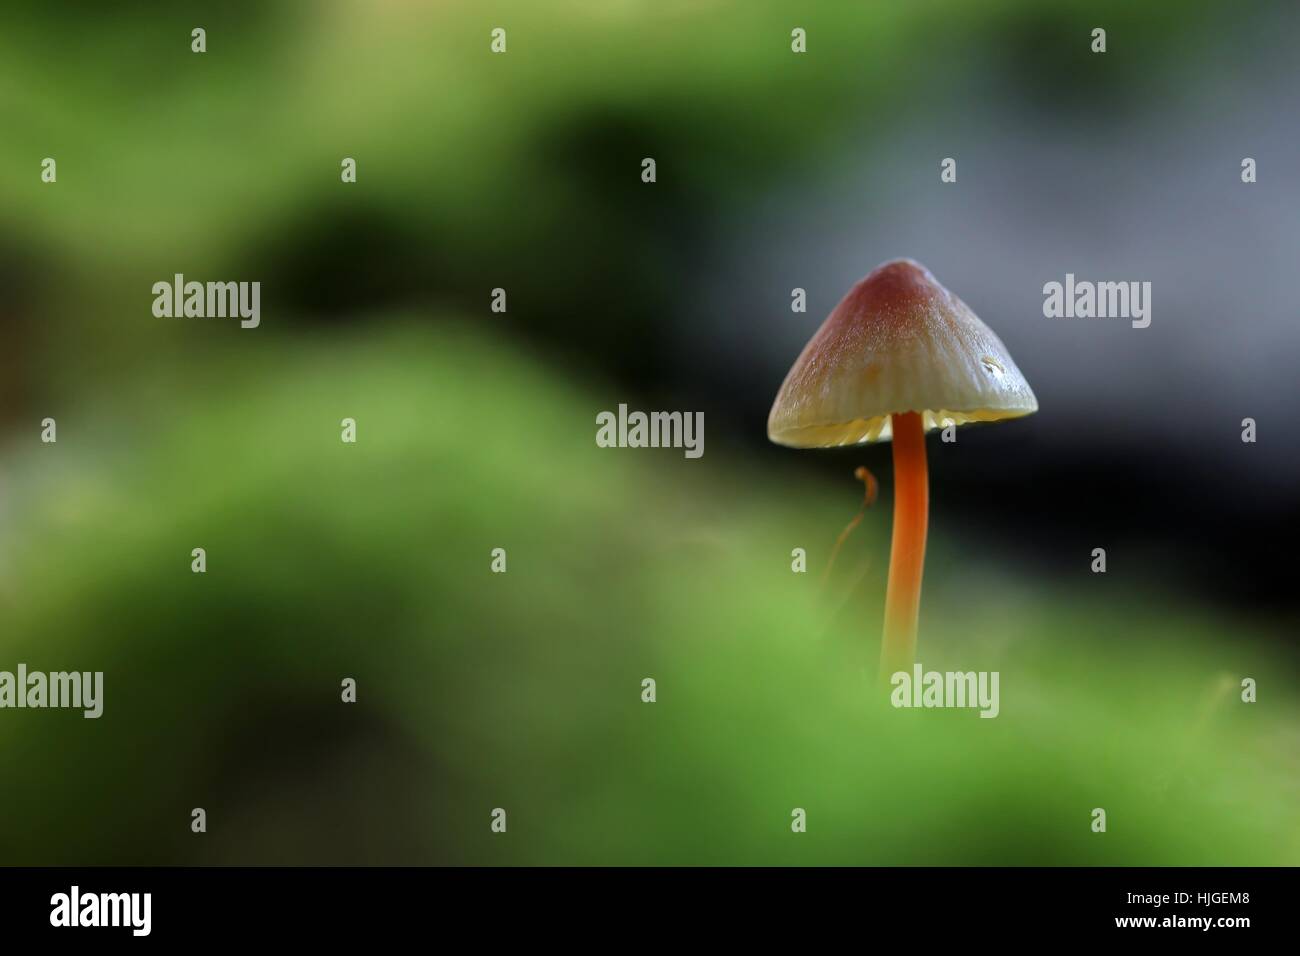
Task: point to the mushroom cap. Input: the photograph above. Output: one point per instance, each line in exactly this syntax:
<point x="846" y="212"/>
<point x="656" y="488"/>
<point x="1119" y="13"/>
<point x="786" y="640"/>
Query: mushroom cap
<point x="898" y="342"/>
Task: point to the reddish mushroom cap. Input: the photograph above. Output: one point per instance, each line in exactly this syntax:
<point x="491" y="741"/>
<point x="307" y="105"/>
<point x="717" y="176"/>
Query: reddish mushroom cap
<point x="898" y="342"/>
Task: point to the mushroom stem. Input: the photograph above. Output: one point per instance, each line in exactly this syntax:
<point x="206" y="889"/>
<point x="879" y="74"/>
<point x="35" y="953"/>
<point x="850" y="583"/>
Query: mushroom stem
<point x="907" y="551"/>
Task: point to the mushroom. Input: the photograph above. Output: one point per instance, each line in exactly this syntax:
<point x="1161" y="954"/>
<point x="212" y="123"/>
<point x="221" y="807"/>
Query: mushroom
<point x="899" y="356"/>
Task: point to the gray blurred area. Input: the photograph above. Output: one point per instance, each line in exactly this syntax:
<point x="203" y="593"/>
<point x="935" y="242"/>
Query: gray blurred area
<point x="1138" y="440"/>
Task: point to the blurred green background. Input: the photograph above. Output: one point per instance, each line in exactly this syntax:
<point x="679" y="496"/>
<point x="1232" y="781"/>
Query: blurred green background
<point x="476" y="431"/>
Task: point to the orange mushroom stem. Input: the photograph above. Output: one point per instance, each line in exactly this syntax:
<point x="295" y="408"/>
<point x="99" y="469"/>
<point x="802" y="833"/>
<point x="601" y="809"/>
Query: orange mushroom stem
<point x="907" y="550"/>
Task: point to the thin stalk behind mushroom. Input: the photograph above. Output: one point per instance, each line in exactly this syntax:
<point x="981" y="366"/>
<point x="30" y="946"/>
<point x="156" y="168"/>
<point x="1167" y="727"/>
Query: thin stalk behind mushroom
<point x="899" y="356"/>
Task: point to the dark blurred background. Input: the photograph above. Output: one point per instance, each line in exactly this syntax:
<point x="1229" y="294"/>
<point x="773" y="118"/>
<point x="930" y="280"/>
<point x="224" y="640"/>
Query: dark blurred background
<point x="776" y="171"/>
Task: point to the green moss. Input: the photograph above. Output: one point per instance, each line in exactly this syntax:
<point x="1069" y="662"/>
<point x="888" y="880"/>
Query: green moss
<point x="523" y="690"/>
